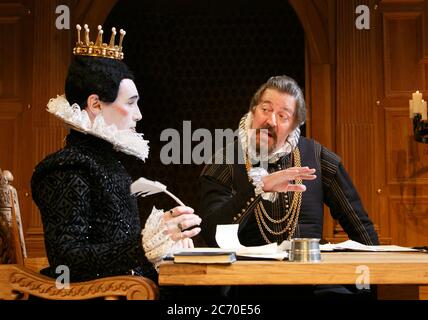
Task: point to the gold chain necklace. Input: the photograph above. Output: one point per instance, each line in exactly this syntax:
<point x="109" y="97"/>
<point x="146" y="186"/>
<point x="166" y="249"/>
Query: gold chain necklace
<point x="292" y="214"/>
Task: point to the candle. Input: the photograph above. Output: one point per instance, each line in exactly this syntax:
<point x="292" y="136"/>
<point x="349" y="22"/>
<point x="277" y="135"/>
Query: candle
<point x="424" y="110"/>
<point x="417" y="96"/>
<point x="415" y="105"/>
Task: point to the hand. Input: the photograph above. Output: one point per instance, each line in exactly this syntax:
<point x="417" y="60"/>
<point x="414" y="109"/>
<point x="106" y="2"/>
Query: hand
<point x="177" y="220"/>
<point x="183" y="244"/>
<point x="280" y="181"/>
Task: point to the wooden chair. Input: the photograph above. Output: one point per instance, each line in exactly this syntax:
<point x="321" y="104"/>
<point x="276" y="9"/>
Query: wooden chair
<point x="20" y="277"/>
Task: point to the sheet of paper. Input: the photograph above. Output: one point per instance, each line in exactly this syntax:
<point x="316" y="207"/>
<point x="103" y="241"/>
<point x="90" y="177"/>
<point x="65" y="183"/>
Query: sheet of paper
<point x="227" y="236"/>
<point x="353" y="245"/>
<point x="227" y="239"/>
<point x="274" y="256"/>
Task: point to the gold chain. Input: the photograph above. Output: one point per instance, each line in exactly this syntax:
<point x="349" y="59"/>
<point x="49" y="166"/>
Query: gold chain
<point x="292" y="214"/>
<point x="261" y="229"/>
<point x="260" y="218"/>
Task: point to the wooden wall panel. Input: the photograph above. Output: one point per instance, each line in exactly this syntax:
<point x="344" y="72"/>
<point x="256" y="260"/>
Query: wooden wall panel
<point x="411" y="212"/>
<point x="402" y="53"/>
<point x="11" y="80"/>
<point x="406" y="159"/>
<point x="357" y="144"/>
<point x="425" y="32"/>
<point x="426" y="73"/>
<point x="10" y="31"/>
<point x="356" y="96"/>
<point x="52" y="49"/>
<point x="7" y="130"/>
<point x="404" y="206"/>
<point x="316" y="18"/>
<point x="50" y="58"/>
<point x="14" y="80"/>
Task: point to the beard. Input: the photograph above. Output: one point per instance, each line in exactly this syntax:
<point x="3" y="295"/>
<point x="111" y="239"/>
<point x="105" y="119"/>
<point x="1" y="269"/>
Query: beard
<point x="265" y="139"/>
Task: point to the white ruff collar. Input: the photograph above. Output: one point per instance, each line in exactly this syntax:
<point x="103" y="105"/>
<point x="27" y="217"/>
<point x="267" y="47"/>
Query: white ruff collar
<point x="126" y="141"/>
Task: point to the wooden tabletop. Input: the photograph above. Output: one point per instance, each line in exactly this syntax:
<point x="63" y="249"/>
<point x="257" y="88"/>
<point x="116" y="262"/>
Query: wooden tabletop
<point x="335" y="268"/>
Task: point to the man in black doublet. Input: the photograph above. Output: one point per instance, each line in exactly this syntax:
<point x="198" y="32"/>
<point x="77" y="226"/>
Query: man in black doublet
<point x="275" y="195"/>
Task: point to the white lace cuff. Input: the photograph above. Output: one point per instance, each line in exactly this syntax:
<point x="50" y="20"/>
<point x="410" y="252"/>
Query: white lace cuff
<point x="156" y="244"/>
<point x="256" y="174"/>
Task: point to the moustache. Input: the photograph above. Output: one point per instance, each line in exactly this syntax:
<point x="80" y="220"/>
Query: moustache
<point x="270" y="131"/>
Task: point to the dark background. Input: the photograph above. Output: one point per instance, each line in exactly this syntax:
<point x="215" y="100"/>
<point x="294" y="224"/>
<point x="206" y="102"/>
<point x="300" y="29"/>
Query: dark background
<point x="201" y="61"/>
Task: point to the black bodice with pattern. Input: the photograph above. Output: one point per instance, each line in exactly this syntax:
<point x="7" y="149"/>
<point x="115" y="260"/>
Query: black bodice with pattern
<point x="91" y="222"/>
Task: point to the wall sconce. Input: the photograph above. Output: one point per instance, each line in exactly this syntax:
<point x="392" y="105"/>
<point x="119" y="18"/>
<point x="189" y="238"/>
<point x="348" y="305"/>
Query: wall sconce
<point x="418" y="111"/>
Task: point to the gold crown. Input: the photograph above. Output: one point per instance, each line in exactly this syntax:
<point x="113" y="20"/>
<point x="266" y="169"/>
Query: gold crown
<point x="99" y="49"/>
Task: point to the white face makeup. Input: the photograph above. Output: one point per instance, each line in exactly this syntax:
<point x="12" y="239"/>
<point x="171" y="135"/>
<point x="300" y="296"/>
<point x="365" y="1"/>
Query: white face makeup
<point x="124" y="111"/>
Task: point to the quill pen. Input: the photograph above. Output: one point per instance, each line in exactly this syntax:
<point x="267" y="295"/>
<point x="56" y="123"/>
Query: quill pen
<point x="145" y="187"/>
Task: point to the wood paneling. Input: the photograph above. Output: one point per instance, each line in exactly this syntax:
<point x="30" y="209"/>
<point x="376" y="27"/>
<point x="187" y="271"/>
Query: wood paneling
<point x="404" y="206"/>
<point x="49" y="62"/>
<point x="357" y="158"/>
<point x="426" y="72"/>
<point x="409" y="220"/>
<point x="11" y="80"/>
<point x="402" y="50"/>
<point x="315" y="18"/>
<point x="14" y="81"/>
<point x="356" y="95"/>
<point x="321" y="106"/>
<point x="406" y="159"/>
<point x="7" y="130"/>
<point x="51" y="68"/>
<point x="425" y="33"/>
<point x="314" y="22"/>
<point x="10" y="73"/>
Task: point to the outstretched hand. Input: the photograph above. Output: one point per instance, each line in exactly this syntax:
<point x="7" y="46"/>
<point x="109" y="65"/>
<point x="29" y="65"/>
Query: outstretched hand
<point x="280" y="181"/>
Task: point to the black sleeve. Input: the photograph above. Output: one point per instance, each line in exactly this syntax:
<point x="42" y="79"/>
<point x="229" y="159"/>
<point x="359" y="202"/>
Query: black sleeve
<point x="64" y="200"/>
<point x="344" y="202"/>
<point x="220" y="203"/>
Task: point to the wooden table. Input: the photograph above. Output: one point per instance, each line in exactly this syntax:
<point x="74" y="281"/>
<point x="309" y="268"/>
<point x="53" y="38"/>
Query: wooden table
<point x="399" y="274"/>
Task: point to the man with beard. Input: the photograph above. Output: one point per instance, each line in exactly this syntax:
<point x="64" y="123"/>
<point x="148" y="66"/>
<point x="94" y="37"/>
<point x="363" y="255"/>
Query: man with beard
<point x="277" y="187"/>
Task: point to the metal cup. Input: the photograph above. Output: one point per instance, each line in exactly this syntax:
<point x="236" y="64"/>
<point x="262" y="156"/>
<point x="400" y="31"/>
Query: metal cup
<point x="305" y="250"/>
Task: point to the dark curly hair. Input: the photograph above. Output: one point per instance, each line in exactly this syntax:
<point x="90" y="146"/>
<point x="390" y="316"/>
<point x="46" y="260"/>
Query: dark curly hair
<point x="92" y="75"/>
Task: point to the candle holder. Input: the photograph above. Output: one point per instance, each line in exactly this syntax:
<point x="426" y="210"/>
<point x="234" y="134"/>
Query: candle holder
<point x="420" y="128"/>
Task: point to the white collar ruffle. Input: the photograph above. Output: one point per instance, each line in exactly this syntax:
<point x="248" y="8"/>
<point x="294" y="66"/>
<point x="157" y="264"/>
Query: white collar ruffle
<point x="126" y="141"/>
<point x="244" y="135"/>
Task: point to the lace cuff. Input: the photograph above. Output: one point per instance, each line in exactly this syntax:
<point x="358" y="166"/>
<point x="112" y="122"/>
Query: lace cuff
<point x="256" y="174"/>
<point x="156" y="244"/>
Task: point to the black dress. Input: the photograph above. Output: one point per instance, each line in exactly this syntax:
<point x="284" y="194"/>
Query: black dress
<point x="91" y="222"/>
